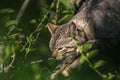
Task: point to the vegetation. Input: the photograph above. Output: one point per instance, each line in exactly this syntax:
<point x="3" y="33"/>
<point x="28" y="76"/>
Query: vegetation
<point x="24" y="40"/>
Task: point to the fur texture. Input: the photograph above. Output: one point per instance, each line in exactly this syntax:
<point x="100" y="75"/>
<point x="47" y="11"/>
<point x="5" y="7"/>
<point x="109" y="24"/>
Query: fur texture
<point x="96" y="20"/>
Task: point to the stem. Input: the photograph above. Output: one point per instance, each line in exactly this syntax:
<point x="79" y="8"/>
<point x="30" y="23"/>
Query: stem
<point x="19" y="15"/>
<point x="38" y="27"/>
<point x="22" y="10"/>
<point x="57" y="10"/>
<point x="63" y="18"/>
<point x="11" y="63"/>
<point x="90" y="64"/>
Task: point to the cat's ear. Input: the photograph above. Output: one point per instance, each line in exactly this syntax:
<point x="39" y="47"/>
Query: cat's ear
<point x="72" y="27"/>
<point x="51" y="27"/>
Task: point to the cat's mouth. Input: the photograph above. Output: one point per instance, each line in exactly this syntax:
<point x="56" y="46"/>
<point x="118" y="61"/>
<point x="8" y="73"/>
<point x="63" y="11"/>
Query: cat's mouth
<point x="67" y="63"/>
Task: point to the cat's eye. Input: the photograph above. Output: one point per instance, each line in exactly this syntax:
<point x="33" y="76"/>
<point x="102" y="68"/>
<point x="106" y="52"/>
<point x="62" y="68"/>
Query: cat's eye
<point x="60" y="48"/>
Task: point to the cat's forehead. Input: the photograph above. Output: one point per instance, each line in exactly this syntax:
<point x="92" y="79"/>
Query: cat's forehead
<point x="58" y="34"/>
<point x="61" y="29"/>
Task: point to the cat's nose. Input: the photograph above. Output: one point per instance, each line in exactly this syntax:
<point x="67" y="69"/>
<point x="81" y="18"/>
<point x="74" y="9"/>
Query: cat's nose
<point x="54" y="57"/>
<point x="54" y="54"/>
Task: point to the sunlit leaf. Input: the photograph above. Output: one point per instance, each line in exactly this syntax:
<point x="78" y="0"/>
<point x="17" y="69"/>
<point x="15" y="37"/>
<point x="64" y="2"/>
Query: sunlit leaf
<point x="12" y="48"/>
<point x="67" y="11"/>
<point x="7" y="10"/>
<point x="99" y="63"/>
<point x="54" y="21"/>
<point x="27" y="50"/>
<point x="11" y="22"/>
<point x="30" y="39"/>
<point x="105" y="76"/>
<point x="33" y="21"/>
<point x="66" y="3"/>
<point x="27" y="38"/>
<point x="80" y="48"/>
<point x="92" y="53"/>
<point x="7" y="50"/>
<point x="110" y="76"/>
<point x="86" y="47"/>
<point x="82" y="60"/>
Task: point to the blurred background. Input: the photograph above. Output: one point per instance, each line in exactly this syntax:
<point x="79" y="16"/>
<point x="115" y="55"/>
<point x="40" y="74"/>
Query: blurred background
<point x="24" y="40"/>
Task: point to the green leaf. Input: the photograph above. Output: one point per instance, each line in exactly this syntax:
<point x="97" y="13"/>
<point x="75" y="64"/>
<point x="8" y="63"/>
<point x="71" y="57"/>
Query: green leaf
<point x="72" y="35"/>
<point x="99" y="63"/>
<point x="79" y="47"/>
<point x="27" y="50"/>
<point x="33" y="21"/>
<point x="7" y="10"/>
<point x="12" y="48"/>
<point x="11" y="22"/>
<point x="30" y="39"/>
<point x="92" y="53"/>
<point x="67" y="11"/>
<point x="105" y="76"/>
<point x="66" y="3"/>
<point x="54" y="21"/>
<point x="111" y="76"/>
<point x="82" y="60"/>
<point x="7" y="50"/>
<point x="86" y="47"/>
<point x="18" y="29"/>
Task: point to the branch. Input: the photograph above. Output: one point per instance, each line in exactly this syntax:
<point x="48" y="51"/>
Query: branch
<point x="11" y="63"/>
<point x="22" y="10"/>
<point x="19" y="15"/>
<point x="37" y="30"/>
<point x="57" y="10"/>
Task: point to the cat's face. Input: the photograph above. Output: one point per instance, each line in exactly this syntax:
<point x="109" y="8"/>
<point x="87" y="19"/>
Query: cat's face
<point x="63" y="45"/>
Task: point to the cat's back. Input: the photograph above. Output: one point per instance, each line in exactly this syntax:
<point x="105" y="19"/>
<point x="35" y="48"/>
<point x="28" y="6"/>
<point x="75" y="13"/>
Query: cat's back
<point x="99" y="19"/>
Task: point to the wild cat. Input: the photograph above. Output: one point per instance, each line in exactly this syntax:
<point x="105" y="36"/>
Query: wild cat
<point x="96" y="20"/>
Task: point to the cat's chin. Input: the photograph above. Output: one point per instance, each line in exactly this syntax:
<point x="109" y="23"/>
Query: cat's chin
<point x="65" y="69"/>
<point x="59" y="58"/>
<point x="74" y="64"/>
<point x="69" y="62"/>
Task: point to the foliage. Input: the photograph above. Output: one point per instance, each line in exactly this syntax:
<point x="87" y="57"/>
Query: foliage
<point x="24" y="50"/>
<point x="85" y="57"/>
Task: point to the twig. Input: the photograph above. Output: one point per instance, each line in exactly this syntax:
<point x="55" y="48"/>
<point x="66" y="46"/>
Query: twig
<point x="38" y="27"/>
<point x="63" y="18"/>
<point x="19" y="15"/>
<point x="38" y="61"/>
<point x="57" y="10"/>
<point x="11" y="63"/>
<point x="90" y="64"/>
<point x="22" y="10"/>
<point x="37" y="30"/>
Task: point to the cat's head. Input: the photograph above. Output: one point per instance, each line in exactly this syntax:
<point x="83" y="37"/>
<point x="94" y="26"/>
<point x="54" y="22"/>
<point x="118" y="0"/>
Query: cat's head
<point x="63" y="45"/>
<point x="63" y="38"/>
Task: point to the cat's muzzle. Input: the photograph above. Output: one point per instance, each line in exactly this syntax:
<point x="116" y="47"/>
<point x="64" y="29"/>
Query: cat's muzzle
<point x="69" y="60"/>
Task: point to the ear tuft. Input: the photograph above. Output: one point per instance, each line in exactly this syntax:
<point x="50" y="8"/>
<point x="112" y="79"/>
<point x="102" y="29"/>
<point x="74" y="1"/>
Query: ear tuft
<point x="51" y="27"/>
